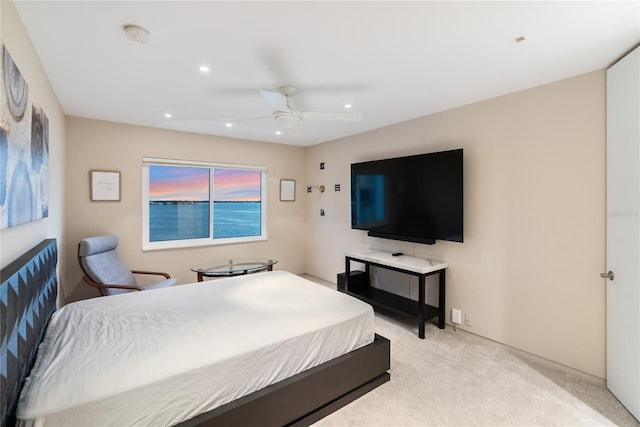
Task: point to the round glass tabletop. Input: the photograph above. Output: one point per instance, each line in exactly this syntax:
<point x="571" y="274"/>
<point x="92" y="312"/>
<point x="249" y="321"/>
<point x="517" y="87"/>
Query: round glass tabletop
<point x="233" y="267"/>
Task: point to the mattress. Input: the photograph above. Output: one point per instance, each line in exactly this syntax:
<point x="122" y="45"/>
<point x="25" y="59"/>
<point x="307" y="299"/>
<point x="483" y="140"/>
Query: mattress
<point x="163" y="356"/>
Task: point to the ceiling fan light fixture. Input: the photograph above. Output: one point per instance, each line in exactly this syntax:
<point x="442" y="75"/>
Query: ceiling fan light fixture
<point x="288" y="119"/>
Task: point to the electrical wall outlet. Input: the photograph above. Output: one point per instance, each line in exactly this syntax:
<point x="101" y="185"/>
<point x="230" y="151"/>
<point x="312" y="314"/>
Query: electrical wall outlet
<point x="468" y="319"/>
<point x="456" y="316"/>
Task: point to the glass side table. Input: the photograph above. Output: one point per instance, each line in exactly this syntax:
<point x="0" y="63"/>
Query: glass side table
<point x="233" y="267"/>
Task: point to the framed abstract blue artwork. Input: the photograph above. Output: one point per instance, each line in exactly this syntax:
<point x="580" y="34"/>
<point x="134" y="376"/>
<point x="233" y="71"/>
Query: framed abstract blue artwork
<point x="24" y="150"/>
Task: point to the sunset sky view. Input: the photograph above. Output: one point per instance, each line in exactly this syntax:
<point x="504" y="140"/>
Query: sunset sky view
<point x="191" y="183"/>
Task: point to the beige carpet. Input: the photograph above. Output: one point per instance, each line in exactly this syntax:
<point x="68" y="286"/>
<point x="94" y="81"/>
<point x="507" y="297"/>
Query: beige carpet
<point x="453" y="378"/>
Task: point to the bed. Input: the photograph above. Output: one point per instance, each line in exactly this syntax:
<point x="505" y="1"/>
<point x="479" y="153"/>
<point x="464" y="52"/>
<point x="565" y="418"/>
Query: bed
<point x="264" y="349"/>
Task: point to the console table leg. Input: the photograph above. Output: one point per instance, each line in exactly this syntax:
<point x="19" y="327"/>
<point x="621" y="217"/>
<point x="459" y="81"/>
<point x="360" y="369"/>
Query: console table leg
<point x="421" y="282"/>
<point x="441" y="303"/>
<point x="347" y="271"/>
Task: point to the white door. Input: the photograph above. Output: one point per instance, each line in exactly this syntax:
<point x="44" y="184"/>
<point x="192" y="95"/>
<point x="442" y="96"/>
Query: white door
<point x="623" y="231"/>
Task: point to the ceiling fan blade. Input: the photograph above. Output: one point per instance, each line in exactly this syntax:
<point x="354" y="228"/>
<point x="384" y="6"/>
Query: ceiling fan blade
<point x="240" y="119"/>
<point x="275" y="99"/>
<point x="341" y="117"/>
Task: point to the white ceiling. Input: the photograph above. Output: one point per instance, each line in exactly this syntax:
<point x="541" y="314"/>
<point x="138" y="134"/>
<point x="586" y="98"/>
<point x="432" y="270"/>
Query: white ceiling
<point x="393" y="61"/>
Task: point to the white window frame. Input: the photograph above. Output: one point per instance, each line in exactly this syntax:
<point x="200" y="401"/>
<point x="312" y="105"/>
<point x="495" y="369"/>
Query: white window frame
<point x="209" y="241"/>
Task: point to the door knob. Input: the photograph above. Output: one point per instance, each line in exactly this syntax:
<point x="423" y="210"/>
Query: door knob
<point x="608" y="275"/>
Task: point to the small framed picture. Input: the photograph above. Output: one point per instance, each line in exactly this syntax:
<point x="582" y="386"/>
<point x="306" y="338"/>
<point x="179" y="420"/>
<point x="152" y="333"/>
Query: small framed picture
<point x="287" y="190"/>
<point x="105" y="186"/>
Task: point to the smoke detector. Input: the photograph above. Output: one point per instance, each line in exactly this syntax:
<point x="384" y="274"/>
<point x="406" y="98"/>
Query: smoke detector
<point x="137" y="34"/>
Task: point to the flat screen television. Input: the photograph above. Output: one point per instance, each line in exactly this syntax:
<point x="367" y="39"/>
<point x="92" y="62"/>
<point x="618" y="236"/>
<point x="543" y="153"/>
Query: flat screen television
<point x="415" y="198"/>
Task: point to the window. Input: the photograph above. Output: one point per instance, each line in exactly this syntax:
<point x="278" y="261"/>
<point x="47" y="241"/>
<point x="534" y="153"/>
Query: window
<point x="198" y="203"/>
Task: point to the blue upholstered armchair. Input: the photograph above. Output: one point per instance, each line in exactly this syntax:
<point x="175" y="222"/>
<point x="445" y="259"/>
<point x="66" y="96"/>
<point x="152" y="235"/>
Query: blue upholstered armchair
<point x="103" y="269"/>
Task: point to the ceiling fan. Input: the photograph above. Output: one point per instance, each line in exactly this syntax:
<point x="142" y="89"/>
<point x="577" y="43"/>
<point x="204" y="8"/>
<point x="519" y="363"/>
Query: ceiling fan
<point x="289" y="116"/>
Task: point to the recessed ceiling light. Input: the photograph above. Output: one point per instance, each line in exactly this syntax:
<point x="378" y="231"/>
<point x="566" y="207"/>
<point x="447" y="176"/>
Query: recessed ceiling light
<point x="167" y="115"/>
<point x="204" y="69"/>
<point x="348" y="105"/>
<point x="137" y="34"/>
<point x="228" y="125"/>
<point x="278" y="132"/>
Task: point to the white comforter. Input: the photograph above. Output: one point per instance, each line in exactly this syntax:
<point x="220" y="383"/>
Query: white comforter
<point x="163" y="356"/>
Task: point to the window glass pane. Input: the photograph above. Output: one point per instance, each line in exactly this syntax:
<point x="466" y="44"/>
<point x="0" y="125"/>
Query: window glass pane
<point x="178" y="203"/>
<point x="237" y="203"/>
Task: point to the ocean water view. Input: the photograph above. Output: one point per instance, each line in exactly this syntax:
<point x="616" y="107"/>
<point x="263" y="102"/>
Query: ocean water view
<point x="177" y="220"/>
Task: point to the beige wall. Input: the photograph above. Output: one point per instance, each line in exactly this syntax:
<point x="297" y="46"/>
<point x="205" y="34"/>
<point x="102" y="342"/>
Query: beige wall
<point x="16" y="240"/>
<point x="528" y="270"/>
<point x="93" y="144"/>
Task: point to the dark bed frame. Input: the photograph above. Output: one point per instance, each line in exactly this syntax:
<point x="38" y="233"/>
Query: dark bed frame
<point x="308" y="396"/>
<point x="28" y="290"/>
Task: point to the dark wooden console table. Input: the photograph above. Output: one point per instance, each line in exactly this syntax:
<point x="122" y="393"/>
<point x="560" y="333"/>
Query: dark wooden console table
<point x="418" y="267"/>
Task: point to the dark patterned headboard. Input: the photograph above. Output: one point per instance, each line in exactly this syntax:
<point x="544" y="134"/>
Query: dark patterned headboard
<point x="28" y="290"/>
